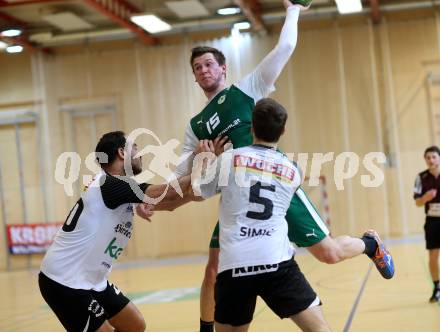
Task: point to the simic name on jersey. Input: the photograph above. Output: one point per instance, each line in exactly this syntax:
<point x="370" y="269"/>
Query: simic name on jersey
<point x="253" y="232"/>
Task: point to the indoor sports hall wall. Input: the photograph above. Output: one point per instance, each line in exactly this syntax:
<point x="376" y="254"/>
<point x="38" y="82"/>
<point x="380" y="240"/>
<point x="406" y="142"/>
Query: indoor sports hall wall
<point x="352" y="87"/>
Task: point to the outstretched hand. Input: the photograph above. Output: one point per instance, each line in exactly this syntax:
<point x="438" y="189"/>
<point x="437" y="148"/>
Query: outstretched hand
<point x="221" y="144"/>
<point x="145" y="211"/>
<point x="218" y="146"/>
<point x="204" y="145"/>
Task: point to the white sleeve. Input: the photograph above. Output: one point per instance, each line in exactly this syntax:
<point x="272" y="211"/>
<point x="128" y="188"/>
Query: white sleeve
<point x="190" y="142"/>
<point x="260" y="83"/>
<point x="209" y="183"/>
<point x="417" y="190"/>
<point x="218" y="176"/>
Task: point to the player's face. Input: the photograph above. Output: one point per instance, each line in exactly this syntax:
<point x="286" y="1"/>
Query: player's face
<point x="432" y="160"/>
<point x="136" y="163"/>
<point x="208" y="73"/>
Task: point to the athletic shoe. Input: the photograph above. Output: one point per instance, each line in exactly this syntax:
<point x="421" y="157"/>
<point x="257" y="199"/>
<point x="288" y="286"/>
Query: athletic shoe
<point x="304" y="3"/>
<point x="435" y="295"/>
<point x="382" y="257"/>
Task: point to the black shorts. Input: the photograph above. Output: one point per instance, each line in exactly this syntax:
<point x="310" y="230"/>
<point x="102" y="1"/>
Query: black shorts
<point x="285" y="291"/>
<point x="80" y="309"/>
<point x="432" y="232"/>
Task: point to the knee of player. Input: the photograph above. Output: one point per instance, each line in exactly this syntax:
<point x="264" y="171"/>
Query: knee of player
<point x="141" y="326"/>
<point x="137" y="323"/>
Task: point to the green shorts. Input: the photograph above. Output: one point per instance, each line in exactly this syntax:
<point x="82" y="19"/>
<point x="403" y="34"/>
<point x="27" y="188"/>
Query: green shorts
<point x="306" y="226"/>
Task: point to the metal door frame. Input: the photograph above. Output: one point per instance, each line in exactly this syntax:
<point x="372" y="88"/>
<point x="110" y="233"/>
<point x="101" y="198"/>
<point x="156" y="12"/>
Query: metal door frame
<point x="16" y="118"/>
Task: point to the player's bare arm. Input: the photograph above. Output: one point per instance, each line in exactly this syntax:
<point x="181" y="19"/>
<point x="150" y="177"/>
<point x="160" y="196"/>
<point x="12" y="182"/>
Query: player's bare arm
<point x="428" y="196"/>
<point x="272" y="65"/>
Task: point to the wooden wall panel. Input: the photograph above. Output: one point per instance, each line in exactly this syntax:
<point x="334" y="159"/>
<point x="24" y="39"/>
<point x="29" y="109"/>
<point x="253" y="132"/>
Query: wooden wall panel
<point x="16" y="84"/>
<point x="409" y="75"/>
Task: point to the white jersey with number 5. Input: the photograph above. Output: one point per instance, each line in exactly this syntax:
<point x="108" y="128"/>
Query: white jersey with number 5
<point x="256" y="184"/>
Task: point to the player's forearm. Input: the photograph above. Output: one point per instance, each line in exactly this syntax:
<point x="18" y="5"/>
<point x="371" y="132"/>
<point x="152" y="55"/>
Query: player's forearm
<point x="174" y="204"/>
<point x="420" y="201"/>
<point x="289" y="32"/>
<point x="172" y="199"/>
<point x="274" y="62"/>
<point x="184" y="167"/>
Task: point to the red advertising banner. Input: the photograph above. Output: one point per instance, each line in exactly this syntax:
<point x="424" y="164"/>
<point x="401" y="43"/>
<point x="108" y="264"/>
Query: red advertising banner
<point x="31" y="238"/>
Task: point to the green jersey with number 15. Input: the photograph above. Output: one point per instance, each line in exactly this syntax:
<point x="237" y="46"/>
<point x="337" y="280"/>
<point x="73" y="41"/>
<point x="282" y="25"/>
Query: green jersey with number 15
<point x="228" y="113"/>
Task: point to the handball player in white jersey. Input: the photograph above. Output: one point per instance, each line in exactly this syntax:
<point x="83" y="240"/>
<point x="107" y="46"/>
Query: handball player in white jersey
<point x="73" y="277"/>
<point x="257" y="183"/>
<point x="228" y="114"/>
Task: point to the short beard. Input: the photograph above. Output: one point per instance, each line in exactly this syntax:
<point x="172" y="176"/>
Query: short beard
<point x="214" y="86"/>
<point x="136" y="170"/>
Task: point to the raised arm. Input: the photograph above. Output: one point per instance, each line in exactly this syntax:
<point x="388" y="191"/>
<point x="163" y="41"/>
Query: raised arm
<point x="272" y="65"/>
<point x="260" y="82"/>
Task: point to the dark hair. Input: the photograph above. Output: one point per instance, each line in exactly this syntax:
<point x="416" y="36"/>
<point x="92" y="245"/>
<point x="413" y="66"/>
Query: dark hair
<point x="268" y="120"/>
<point x="200" y="50"/>
<point x="109" y="144"/>
<point x="433" y="148"/>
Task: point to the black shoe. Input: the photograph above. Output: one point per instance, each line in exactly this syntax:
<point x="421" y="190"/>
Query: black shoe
<point x="435" y="295"/>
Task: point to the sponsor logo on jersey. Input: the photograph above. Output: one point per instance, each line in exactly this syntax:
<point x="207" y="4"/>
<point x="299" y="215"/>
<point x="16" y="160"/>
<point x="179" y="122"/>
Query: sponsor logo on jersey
<point x="113" y="250"/>
<point x="130" y="209"/>
<point x="106" y="265"/>
<point x="124" y="229"/>
<point x="234" y="123"/>
<point x="252" y="270"/>
<point x="256" y="165"/>
<point x="253" y="232"/>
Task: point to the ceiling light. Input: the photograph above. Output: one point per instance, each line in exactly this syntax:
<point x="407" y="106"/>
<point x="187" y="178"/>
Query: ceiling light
<point x="228" y="11"/>
<point x="349" y="6"/>
<point x="11" y="33"/>
<point x="150" y="23"/>
<point x="3" y="45"/>
<point x="14" y="49"/>
<point x="241" y="26"/>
